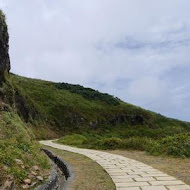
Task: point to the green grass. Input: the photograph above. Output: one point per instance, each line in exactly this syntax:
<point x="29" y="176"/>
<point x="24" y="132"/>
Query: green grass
<point x="176" y="145"/>
<point x="70" y="112"/>
<point x="74" y="139"/>
<point x="91" y="119"/>
<point x="17" y="142"/>
<point x="88" y="93"/>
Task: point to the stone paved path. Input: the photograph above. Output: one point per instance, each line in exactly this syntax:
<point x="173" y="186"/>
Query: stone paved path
<point x="127" y="174"/>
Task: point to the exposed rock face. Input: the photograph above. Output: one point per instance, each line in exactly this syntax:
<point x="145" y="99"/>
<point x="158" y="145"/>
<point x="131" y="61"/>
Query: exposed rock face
<point x="4" y="48"/>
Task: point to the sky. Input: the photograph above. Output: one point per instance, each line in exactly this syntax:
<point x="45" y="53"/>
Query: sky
<point x="136" y="50"/>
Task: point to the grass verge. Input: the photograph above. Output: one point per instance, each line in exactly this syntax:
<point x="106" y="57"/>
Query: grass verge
<point x="88" y="174"/>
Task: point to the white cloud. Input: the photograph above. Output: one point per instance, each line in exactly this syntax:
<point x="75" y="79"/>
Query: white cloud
<point x="126" y="47"/>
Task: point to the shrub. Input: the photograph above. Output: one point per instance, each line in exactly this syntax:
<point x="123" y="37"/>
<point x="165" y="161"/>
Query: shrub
<point x="178" y="145"/>
<point x="110" y="143"/>
<point x="136" y="143"/>
<point x="154" y="148"/>
<point x="89" y="93"/>
<point x="74" y="139"/>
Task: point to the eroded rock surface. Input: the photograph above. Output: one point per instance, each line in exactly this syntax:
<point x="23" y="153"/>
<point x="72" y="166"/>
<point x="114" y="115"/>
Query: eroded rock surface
<point x="4" y="48"/>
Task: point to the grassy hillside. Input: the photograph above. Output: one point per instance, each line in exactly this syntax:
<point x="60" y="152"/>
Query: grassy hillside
<point x="19" y="151"/>
<point x="17" y="143"/>
<point x="103" y="121"/>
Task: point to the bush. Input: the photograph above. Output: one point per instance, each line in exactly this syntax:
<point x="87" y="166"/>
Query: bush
<point x="89" y="93"/>
<point x="157" y="133"/>
<point x="137" y="143"/>
<point x="154" y="148"/>
<point x="74" y="139"/>
<point x="134" y="143"/>
<point x="110" y="143"/>
<point x="178" y="145"/>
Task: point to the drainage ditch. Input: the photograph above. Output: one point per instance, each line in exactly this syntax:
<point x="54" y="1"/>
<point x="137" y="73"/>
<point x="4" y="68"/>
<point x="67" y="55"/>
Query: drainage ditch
<point x="61" y="175"/>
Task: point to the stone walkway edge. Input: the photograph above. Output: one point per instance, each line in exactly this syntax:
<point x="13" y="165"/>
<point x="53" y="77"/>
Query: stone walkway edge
<point x="127" y="174"/>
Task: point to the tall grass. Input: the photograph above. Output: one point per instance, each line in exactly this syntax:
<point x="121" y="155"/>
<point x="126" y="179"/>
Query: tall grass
<point x="177" y="145"/>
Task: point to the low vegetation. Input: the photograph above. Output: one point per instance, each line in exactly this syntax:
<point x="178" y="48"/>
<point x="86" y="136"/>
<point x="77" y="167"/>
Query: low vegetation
<point x="177" y="145"/>
<point x="89" y="93"/>
<point x="18" y="151"/>
<point x="74" y="139"/>
<point x="94" y="122"/>
<point x="70" y="112"/>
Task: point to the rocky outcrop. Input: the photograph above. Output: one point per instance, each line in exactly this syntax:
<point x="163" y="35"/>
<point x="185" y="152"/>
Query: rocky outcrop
<point x="4" y="48"/>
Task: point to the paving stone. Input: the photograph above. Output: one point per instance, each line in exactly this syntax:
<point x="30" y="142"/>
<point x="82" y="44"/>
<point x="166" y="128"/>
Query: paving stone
<point x="154" y="175"/>
<point x="166" y="182"/>
<point x="132" y="184"/>
<point x="123" y="180"/>
<point x="179" y="187"/>
<point x="136" y="173"/>
<point x="115" y="170"/>
<point x="117" y="173"/>
<point x="154" y="188"/>
<point x="129" y="188"/>
<point x="125" y="176"/>
<point x="165" y="178"/>
<point x="144" y="179"/>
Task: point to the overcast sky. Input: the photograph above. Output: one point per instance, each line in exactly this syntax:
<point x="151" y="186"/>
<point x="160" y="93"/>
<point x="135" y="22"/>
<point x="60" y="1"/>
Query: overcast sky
<point x="137" y="50"/>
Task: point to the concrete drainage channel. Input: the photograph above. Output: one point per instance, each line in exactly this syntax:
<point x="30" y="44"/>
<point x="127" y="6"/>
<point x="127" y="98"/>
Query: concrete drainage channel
<point x="61" y="175"/>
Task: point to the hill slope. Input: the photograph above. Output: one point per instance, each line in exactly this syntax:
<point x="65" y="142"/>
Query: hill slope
<point x="67" y="108"/>
<point x="103" y="121"/>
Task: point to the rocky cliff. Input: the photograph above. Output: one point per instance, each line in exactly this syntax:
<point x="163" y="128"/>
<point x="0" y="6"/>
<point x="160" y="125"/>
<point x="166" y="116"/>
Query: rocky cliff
<point x="4" y="48"/>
